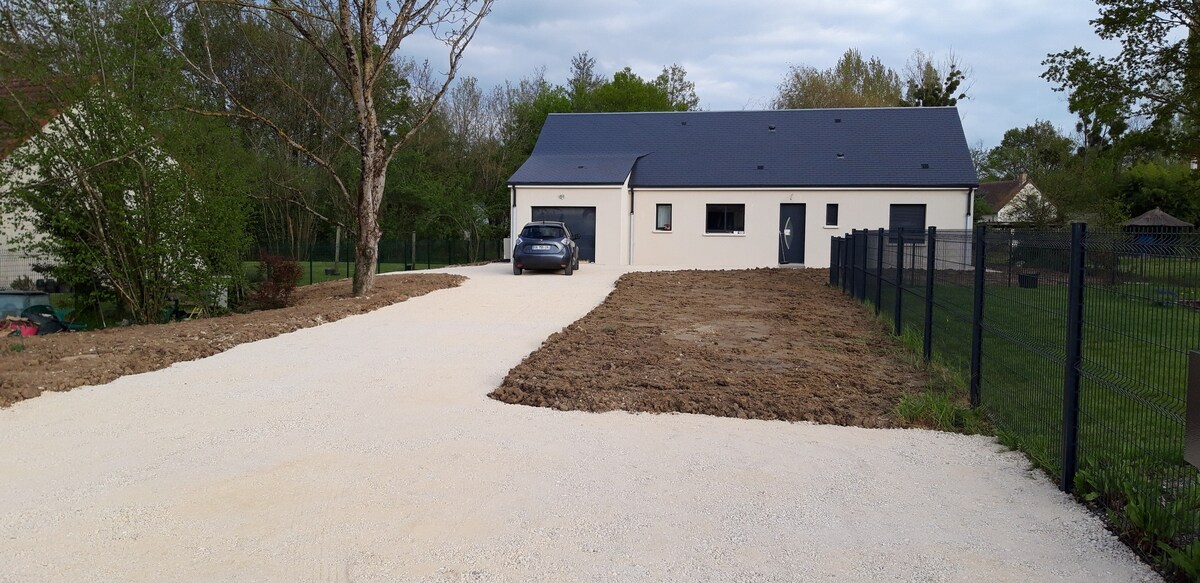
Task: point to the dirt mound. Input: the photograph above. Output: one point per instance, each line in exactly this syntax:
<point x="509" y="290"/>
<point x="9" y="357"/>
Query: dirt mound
<point x="759" y="344"/>
<point x="60" y="362"/>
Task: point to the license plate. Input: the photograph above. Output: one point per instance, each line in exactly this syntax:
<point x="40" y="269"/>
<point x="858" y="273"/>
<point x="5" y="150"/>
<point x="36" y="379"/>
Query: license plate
<point x="542" y="247"/>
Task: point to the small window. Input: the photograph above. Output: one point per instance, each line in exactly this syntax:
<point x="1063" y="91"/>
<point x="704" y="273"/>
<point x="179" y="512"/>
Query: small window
<point x="725" y="218"/>
<point x="662" y="218"/>
<point x="910" y="217"/>
<point x="831" y="217"/>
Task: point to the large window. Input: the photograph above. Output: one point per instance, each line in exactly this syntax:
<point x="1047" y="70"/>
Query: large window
<point x="662" y="218"/>
<point x="910" y="217"/>
<point x="831" y="215"/>
<point x="725" y="218"/>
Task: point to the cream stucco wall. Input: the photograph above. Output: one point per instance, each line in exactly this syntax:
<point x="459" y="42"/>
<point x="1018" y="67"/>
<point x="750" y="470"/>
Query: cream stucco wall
<point x="688" y="245"/>
<point x="612" y="205"/>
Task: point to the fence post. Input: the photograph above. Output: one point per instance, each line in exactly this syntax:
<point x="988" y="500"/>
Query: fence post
<point x="1075" y="287"/>
<point x="899" y="279"/>
<point x="879" y="272"/>
<point x="860" y="277"/>
<point x="833" y="261"/>
<point x="980" y="250"/>
<point x="930" y="264"/>
<point x="850" y="263"/>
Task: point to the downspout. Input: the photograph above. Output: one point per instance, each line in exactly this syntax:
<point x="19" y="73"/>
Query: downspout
<point x="512" y="215"/>
<point x="970" y="207"/>
<point x="631" y="225"/>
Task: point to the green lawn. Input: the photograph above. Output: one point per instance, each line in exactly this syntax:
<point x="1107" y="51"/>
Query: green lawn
<point x="314" y="272"/>
<point x="1134" y="374"/>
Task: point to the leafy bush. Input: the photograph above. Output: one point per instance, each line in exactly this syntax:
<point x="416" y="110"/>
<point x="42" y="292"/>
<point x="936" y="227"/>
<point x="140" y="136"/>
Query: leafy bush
<point x="279" y="276"/>
<point x="22" y="283"/>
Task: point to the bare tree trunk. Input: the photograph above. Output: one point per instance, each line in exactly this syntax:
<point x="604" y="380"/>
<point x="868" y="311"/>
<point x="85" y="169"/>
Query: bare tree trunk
<point x="366" y="248"/>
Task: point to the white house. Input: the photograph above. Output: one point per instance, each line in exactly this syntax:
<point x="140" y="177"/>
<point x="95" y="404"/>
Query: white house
<point x="1015" y="201"/>
<point x="19" y="101"/>
<point x="743" y="188"/>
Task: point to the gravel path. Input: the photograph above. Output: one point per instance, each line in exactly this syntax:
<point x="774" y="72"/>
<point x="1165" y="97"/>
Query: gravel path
<point x="365" y="450"/>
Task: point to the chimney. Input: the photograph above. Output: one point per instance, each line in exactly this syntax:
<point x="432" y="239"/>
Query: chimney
<point x="1023" y="178"/>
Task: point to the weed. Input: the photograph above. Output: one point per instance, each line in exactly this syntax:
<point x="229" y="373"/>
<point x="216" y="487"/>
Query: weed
<point x="16" y="347"/>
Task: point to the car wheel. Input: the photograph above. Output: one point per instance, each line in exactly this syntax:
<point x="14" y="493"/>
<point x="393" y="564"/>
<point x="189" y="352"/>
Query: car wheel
<point x="569" y="269"/>
<point x="516" y="270"/>
<point x="576" y="262"/>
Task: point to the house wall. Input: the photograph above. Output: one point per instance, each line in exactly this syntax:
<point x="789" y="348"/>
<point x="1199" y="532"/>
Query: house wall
<point x="687" y="244"/>
<point x="13" y="228"/>
<point x="1008" y="213"/>
<point x="612" y="205"/>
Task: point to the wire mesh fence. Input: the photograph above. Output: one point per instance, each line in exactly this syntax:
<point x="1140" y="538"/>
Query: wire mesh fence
<point x="329" y="259"/>
<point x="1075" y="342"/>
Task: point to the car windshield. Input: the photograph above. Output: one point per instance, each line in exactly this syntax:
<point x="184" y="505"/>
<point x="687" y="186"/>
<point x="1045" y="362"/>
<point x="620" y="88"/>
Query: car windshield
<point x="543" y="232"/>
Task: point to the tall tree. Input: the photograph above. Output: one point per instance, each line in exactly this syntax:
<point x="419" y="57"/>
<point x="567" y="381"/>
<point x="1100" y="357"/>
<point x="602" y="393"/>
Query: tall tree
<point x="125" y="196"/>
<point x="1156" y="74"/>
<point x="584" y="81"/>
<point x="629" y="92"/>
<point x="681" y="93"/>
<point x="358" y="42"/>
<point x="852" y="82"/>
<point x="931" y="84"/>
<point x="1035" y="150"/>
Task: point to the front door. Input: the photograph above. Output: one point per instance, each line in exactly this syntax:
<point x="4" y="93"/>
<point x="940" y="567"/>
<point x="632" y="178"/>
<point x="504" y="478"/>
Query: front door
<point x="791" y="233"/>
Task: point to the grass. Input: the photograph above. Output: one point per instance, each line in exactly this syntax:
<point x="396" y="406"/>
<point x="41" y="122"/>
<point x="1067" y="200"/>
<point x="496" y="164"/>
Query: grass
<point x="943" y="405"/>
<point x="314" y="272"/>
<point x="1132" y="394"/>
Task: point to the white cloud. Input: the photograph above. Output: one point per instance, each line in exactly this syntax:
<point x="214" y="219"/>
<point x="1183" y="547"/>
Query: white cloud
<point x="737" y="53"/>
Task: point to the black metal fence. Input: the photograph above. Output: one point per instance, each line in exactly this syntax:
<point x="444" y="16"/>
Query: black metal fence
<point x="330" y="259"/>
<point x="1074" y="341"/>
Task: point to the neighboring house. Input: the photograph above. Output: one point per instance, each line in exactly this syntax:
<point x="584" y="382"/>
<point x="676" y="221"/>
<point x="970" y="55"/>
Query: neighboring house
<point x="19" y="102"/>
<point x="743" y="188"/>
<point x="1014" y="201"/>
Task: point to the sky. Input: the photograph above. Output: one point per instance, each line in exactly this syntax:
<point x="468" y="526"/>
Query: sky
<point x="737" y="53"/>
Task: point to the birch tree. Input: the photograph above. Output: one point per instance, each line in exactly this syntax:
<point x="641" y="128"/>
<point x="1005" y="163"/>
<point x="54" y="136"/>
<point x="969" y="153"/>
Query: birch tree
<point x="358" y="41"/>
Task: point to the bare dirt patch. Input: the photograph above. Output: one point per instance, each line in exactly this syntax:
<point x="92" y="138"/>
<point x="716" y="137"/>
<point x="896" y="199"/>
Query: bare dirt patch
<point x="759" y="344"/>
<point x="61" y="362"/>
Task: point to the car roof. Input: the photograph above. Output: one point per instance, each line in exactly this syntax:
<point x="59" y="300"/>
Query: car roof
<point x="550" y="223"/>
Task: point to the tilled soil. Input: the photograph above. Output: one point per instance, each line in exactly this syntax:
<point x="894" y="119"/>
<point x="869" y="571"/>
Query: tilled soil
<point x="759" y="344"/>
<point x="61" y="362"/>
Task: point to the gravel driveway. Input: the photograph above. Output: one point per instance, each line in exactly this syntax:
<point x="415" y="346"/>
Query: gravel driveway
<point x="365" y="450"/>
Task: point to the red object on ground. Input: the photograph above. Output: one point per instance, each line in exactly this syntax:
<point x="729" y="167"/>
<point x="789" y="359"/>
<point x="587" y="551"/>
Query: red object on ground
<point x="24" y="327"/>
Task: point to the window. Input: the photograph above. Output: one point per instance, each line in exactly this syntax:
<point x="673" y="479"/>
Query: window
<point x="662" y="217"/>
<point x="725" y="218"/>
<point x="831" y="212"/>
<point x="910" y="217"/>
<point x="542" y="232"/>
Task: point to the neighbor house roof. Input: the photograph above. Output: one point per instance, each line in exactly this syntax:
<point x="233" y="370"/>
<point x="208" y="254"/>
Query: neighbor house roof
<point x="24" y="108"/>
<point x="1155" y="218"/>
<point x="998" y="194"/>
<point x="880" y="147"/>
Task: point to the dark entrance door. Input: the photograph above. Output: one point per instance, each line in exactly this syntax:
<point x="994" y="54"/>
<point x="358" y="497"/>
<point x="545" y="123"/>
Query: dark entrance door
<point x="791" y="233"/>
<point x="581" y="220"/>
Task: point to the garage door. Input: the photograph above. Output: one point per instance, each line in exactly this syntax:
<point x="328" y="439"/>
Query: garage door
<point x="581" y="220"/>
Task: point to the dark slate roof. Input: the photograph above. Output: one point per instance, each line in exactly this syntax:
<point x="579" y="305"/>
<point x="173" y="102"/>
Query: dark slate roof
<point x="1156" y="218"/>
<point x="880" y="147"/>
<point x="584" y="169"/>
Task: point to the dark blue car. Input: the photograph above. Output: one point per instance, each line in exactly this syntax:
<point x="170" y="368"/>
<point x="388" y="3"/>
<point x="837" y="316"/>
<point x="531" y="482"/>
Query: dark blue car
<point x="545" y="245"/>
